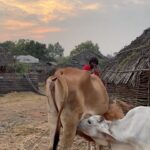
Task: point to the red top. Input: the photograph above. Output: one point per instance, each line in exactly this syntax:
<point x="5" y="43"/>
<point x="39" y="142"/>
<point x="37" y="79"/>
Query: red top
<point x="88" y="68"/>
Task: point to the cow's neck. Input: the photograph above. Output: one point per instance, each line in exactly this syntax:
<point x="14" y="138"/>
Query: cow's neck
<point x="123" y="146"/>
<point x="117" y="131"/>
<point x="122" y="141"/>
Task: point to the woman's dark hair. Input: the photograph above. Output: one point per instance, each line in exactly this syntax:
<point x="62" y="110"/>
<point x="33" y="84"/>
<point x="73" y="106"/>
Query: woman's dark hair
<point x="93" y="60"/>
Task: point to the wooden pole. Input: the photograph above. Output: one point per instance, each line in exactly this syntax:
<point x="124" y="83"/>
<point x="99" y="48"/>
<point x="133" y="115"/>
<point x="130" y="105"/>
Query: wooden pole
<point x="148" y="91"/>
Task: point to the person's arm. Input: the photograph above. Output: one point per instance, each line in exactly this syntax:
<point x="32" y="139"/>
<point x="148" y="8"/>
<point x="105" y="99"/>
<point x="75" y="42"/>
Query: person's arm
<point x="96" y="71"/>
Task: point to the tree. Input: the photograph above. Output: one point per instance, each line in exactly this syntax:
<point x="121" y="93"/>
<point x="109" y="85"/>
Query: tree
<point x="31" y="47"/>
<point x="55" y="51"/>
<point x="109" y="56"/>
<point x="64" y="61"/>
<point x="34" y="48"/>
<point x="88" y="45"/>
<point x="20" y="48"/>
<point x="9" y="45"/>
<point x="37" y="50"/>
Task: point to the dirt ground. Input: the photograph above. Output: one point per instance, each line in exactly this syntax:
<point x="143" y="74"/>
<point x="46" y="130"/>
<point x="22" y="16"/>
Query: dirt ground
<point x="23" y="123"/>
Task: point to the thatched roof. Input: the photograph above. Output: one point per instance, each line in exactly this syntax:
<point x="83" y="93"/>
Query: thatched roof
<point x="125" y="67"/>
<point x="83" y="58"/>
<point x="5" y="57"/>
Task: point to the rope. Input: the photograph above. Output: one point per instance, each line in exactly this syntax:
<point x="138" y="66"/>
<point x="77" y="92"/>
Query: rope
<point x="33" y="86"/>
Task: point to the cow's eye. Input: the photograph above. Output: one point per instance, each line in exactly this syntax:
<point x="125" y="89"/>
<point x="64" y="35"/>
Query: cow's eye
<point x="89" y="122"/>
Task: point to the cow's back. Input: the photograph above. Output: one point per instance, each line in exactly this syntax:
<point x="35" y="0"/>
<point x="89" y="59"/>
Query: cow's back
<point x="97" y="97"/>
<point x="85" y="92"/>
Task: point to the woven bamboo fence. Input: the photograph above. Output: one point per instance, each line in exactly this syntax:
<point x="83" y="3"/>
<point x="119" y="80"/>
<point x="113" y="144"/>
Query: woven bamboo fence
<point x="16" y="82"/>
<point x="138" y="94"/>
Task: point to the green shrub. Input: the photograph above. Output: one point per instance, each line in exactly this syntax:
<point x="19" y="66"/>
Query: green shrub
<point x="64" y="61"/>
<point x="22" y="68"/>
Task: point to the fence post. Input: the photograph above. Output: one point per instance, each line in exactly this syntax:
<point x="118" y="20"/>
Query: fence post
<point x="148" y="91"/>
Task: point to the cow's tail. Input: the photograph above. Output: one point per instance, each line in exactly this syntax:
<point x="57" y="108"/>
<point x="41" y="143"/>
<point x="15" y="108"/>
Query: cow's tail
<point x="63" y="82"/>
<point x="51" y="96"/>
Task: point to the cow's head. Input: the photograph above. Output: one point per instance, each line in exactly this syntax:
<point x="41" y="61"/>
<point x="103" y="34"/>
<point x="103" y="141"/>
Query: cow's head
<point x="97" y="128"/>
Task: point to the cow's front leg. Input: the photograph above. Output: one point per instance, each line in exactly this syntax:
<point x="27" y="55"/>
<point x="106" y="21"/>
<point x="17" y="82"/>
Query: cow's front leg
<point x="70" y="123"/>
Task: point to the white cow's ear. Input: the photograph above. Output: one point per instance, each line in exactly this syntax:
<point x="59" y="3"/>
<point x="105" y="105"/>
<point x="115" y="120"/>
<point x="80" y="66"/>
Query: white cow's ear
<point x="101" y="119"/>
<point x="109" y="137"/>
<point x="106" y="132"/>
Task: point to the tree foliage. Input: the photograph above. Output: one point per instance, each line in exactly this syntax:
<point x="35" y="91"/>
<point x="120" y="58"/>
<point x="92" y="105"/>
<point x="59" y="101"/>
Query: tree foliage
<point x="88" y="45"/>
<point x="56" y="50"/>
<point x="9" y="45"/>
<point x="64" y="61"/>
<point x="34" y="48"/>
<point x="21" y="68"/>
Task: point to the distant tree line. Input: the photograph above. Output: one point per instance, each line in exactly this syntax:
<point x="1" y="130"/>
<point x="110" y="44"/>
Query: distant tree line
<point x="30" y="47"/>
<point x="50" y="52"/>
<point x="84" y="46"/>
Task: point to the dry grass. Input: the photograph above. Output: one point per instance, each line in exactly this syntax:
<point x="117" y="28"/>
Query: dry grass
<point x="23" y="122"/>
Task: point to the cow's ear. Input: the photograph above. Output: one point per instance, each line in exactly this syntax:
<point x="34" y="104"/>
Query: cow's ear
<point x="101" y="119"/>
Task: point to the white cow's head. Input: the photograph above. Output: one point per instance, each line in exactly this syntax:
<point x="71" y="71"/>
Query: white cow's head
<point x="97" y="128"/>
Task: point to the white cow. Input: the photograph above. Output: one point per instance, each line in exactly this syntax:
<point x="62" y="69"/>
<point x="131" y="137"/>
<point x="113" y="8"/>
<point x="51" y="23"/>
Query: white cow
<point x="130" y="133"/>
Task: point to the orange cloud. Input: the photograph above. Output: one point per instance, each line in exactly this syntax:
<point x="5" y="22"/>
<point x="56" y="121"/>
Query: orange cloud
<point x="16" y="24"/>
<point x="46" y="30"/>
<point x="16" y="36"/>
<point x="31" y="18"/>
<point x="34" y="33"/>
<point x="5" y="37"/>
<point x="21" y="29"/>
<point x="46" y="10"/>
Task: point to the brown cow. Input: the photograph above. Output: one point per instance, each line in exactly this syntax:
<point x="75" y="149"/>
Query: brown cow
<point x="115" y="111"/>
<point x="126" y="106"/>
<point x="72" y="93"/>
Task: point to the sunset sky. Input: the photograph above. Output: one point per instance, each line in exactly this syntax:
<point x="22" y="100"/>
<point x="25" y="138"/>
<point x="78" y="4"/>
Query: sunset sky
<point x="110" y="23"/>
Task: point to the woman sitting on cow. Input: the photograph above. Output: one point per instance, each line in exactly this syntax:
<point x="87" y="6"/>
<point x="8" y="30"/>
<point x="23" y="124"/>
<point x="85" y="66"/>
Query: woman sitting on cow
<point x="92" y="67"/>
